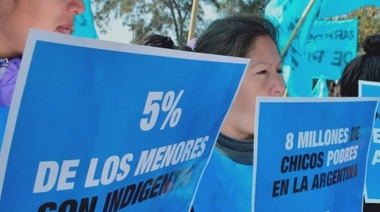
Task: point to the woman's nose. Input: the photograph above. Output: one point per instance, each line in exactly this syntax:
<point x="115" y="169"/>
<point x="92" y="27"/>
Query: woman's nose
<point x="76" y="7"/>
<point x="279" y="87"/>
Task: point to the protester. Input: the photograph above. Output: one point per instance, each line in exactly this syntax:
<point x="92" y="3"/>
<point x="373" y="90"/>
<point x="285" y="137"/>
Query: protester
<point x="363" y="67"/>
<point x="16" y="18"/>
<point x="227" y="181"/>
<point x="158" y="41"/>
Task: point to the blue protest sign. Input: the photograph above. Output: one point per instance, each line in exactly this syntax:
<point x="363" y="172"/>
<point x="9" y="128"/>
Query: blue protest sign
<point x="308" y="162"/>
<point x="3" y="120"/>
<point x="102" y="126"/>
<point x="372" y="186"/>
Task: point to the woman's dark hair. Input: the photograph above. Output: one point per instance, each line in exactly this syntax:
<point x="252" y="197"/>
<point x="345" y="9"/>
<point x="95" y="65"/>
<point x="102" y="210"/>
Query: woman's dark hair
<point x="363" y="67"/>
<point x="158" y="41"/>
<point x="233" y="35"/>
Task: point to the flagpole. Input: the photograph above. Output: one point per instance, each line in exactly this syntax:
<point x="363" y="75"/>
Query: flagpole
<point x="298" y="26"/>
<point x="294" y="33"/>
<point x="194" y="14"/>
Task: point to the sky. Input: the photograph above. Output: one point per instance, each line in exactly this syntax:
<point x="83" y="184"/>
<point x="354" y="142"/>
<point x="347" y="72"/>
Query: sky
<point x="117" y="33"/>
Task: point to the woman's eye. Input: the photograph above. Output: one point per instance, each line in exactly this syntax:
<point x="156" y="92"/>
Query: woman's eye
<point x="279" y="71"/>
<point x="261" y="72"/>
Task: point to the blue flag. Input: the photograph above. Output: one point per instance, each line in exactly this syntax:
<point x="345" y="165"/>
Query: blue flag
<point x="84" y="25"/>
<point x="319" y="51"/>
<point x="285" y="15"/>
<point x="296" y="72"/>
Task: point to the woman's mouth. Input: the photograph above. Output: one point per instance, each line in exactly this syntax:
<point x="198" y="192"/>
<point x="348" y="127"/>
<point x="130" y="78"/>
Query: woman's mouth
<point x="65" y="29"/>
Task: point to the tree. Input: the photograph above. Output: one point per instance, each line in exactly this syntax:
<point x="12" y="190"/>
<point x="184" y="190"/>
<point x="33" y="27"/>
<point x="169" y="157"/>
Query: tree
<point x="167" y="17"/>
<point x="227" y="7"/>
<point x="368" y="23"/>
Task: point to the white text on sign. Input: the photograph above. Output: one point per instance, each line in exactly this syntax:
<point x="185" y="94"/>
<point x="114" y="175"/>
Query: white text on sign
<point x="168" y="105"/>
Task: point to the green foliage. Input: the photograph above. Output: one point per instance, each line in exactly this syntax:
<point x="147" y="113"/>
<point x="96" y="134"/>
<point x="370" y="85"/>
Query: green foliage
<point x="369" y="22"/>
<point x="227" y="7"/>
<point x="147" y="16"/>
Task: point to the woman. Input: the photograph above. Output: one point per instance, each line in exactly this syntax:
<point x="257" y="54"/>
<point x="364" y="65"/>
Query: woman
<point x="16" y="18"/>
<point x="227" y="182"/>
<point x="363" y="67"/>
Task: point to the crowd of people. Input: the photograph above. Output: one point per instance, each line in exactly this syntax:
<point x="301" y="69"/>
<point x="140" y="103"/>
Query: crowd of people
<point x="230" y="168"/>
<point x="234" y="147"/>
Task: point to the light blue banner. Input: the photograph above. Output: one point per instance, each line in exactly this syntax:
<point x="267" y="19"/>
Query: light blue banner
<point x="372" y="191"/>
<point x="315" y="161"/>
<point x="320" y="50"/>
<point x="286" y="14"/>
<point x="330" y="46"/>
<point x="297" y="73"/>
<point x="330" y="8"/>
<point x="106" y="127"/>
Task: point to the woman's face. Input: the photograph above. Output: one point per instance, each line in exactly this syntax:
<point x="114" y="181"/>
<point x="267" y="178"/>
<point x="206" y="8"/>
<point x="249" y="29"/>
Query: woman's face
<point x="263" y="78"/>
<point x="50" y="15"/>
